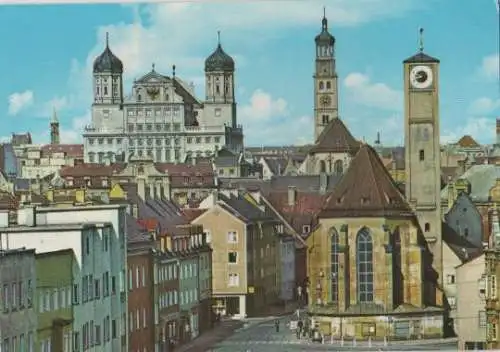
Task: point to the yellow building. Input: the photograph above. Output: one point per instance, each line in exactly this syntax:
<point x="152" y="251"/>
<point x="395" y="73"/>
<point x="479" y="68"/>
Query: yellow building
<point x="245" y="246"/>
<point x="369" y="266"/>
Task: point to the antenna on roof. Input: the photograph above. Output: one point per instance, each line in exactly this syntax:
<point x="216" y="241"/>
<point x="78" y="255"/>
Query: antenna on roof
<point x="173" y="71"/>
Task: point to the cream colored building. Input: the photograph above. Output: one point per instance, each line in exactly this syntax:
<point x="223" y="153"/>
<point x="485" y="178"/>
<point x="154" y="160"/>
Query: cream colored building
<point x="470" y="317"/>
<point x="245" y="247"/>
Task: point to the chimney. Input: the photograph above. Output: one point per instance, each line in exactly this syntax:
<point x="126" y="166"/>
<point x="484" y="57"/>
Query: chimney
<point x="292" y="195"/>
<point x="158" y="191"/>
<point x="166" y="187"/>
<point x="141" y="188"/>
<point x="323" y="182"/>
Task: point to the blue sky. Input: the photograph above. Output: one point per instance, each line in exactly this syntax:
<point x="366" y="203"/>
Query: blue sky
<point x="48" y="52"/>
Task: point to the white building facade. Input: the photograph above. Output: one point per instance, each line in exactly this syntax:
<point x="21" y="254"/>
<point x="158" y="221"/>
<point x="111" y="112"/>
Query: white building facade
<point x="96" y="234"/>
<point x="161" y="118"/>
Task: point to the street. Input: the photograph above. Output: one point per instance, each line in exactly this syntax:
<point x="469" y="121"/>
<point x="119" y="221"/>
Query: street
<point x="262" y="337"/>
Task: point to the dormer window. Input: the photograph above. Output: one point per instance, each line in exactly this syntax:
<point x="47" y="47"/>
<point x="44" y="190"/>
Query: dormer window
<point x="306" y="229"/>
<point x="365" y="200"/>
<point x="339" y="200"/>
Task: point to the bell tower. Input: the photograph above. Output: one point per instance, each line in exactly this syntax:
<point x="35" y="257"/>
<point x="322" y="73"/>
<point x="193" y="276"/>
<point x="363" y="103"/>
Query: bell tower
<point x="422" y="148"/>
<point x="325" y="80"/>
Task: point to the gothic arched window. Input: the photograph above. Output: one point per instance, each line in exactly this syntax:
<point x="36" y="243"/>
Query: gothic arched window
<point x="364" y="266"/>
<point x="321" y="85"/>
<point x="334" y="254"/>
<point x="338" y="167"/>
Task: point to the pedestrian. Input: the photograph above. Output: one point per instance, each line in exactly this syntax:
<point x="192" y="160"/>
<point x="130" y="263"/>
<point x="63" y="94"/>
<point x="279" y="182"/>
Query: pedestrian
<point x="277" y="325"/>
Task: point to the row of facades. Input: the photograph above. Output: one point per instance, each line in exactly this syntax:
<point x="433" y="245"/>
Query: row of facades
<point x="136" y="272"/>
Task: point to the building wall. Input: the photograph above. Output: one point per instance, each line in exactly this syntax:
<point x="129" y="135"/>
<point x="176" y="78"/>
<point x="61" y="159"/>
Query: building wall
<point x="205" y="287"/>
<point x="466" y="220"/>
<point x="470" y="303"/>
<point x="218" y="223"/>
<point x="450" y="262"/>
<point x="166" y="305"/>
<point x="287" y="259"/>
<point x="107" y="254"/>
<point x="18" y="272"/>
<point x="54" y="299"/>
<point x="140" y="301"/>
<point x="188" y="295"/>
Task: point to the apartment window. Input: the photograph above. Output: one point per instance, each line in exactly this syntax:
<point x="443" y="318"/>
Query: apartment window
<point x="137" y="277"/>
<point x="113" y="329"/>
<point x="113" y="285"/>
<point x="143" y="276"/>
<point x="493" y="286"/>
<point x="97" y="289"/>
<point x="306" y="229"/>
<point x="144" y="318"/>
<point x="421" y="155"/>
<point x="29" y="294"/>
<point x="6" y="345"/>
<point x="130" y="279"/>
<point x="75" y="294"/>
<point x="55" y="299"/>
<point x="6" y="297"/>
<point x="13" y="302"/>
<point x="137" y="319"/>
<point x="232" y="237"/>
<point x="427" y="227"/>
<point x="234" y="280"/>
<point x="451" y="279"/>
<point x="492" y="331"/>
<point x="232" y="257"/>
<point x="97" y="335"/>
<point x="482" y="319"/>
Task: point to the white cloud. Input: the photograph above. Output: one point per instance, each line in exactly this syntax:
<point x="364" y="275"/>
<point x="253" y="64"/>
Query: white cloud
<point x="264" y="115"/>
<point x="483" y="105"/>
<point x="376" y="95"/>
<point x="481" y="128"/>
<point x="20" y="101"/>
<point x="73" y="134"/>
<point x="262" y="106"/>
<point x="489" y="67"/>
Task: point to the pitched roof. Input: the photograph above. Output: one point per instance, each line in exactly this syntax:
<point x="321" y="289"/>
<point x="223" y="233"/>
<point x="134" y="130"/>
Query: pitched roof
<point x="366" y="189"/>
<point x="69" y="150"/>
<point x="462" y="248"/>
<point x="336" y="138"/>
<point x="421" y="57"/>
<point x="481" y="179"/>
<point x="468" y="142"/>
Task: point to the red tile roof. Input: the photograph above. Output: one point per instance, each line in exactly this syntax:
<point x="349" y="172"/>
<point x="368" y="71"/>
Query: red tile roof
<point x="366" y="189"/>
<point x="336" y="138"/>
<point x="82" y="170"/>
<point x="467" y="142"/>
<point x="192" y="214"/>
<point x="204" y="169"/>
<point x="69" y="150"/>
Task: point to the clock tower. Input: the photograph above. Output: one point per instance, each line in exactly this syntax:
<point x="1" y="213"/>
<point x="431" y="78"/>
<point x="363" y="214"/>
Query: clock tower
<point x="422" y="148"/>
<point x="325" y="80"/>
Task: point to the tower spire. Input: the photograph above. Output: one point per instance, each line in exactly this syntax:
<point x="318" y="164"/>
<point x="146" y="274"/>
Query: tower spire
<point x="218" y="38"/>
<point x="324" y="22"/>
<point x="107" y="39"/>
<point x="54" y="128"/>
<point x="54" y="116"/>
<point x="421" y="40"/>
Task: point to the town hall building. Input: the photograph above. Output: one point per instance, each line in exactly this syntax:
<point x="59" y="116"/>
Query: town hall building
<point x="161" y="118"/>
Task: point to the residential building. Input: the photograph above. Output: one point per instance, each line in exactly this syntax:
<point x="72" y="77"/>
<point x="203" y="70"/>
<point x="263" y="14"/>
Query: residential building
<point x="471" y="322"/>
<point x="230" y="164"/>
<point x="180" y="182"/>
<point x="286" y="262"/>
<point x="245" y="247"/>
<point x="161" y="118"/>
<point x="54" y="285"/>
<point x="18" y="319"/>
<point x="96" y="234"/>
<point x="491" y="274"/>
<point x="166" y="304"/>
<point x="140" y="265"/>
<point x="205" y="313"/>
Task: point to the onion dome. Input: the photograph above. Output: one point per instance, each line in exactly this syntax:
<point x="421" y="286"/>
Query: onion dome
<point x="324" y="37"/>
<point x="107" y="61"/>
<point x="219" y="60"/>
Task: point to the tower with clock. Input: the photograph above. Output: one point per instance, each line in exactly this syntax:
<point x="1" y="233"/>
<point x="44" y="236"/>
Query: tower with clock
<point x="325" y="80"/>
<point x="422" y="148"/>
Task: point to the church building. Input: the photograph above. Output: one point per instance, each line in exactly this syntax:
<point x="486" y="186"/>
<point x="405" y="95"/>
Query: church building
<point x="375" y="257"/>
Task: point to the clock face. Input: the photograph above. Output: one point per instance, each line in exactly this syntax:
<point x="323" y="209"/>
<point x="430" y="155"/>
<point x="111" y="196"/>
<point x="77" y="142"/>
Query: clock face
<point x="325" y="100"/>
<point x="421" y="77"/>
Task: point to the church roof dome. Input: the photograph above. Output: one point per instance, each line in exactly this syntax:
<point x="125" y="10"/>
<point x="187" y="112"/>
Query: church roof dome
<point x="324" y="37"/>
<point x="107" y="61"/>
<point x="219" y="60"/>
